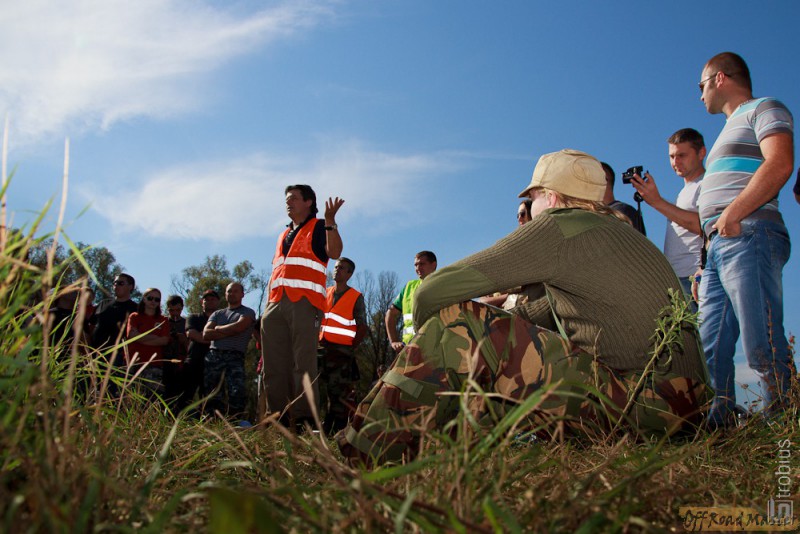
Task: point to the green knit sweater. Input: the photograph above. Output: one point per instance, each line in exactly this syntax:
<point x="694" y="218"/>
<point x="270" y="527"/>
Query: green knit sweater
<point x="607" y="281"/>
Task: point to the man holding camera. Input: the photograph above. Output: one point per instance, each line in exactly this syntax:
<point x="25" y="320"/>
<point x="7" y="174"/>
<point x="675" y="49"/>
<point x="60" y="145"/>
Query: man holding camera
<point x="748" y="244"/>
<point x="683" y="244"/>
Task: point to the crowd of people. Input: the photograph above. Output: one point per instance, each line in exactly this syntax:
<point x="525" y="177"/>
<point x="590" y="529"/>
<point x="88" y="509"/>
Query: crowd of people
<point x="564" y="307"/>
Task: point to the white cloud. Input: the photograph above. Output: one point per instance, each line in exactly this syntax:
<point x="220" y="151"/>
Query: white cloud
<point x="240" y="198"/>
<point x="88" y="63"/>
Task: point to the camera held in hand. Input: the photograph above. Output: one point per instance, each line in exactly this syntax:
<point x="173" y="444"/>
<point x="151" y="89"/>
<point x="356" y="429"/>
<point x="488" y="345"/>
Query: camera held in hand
<point x="627" y="176"/>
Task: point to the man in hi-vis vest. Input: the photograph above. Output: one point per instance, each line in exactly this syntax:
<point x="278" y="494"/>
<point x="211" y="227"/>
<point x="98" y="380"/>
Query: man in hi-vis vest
<point x="343" y="328"/>
<point x="297" y="298"/>
<point x="424" y="264"/>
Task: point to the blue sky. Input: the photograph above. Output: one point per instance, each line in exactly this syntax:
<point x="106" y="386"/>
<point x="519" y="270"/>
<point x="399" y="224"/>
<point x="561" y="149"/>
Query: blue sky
<point x="187" y="119"/>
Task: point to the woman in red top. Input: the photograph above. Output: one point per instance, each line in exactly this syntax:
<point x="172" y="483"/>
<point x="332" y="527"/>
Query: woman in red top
<point x="150" y="347"/>
<point x="148" y="320"/>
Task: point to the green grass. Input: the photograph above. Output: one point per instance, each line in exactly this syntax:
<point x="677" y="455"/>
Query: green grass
<point x="71" y="464"/>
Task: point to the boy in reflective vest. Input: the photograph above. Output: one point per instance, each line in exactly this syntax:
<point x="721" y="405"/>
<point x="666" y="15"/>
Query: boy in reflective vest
<point x="343" y="327"/>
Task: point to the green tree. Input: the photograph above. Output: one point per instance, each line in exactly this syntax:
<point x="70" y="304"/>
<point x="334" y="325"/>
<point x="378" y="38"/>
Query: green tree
<point x="214" y="274"/>
<point x="100" y="260"/>
<point x="104" y="266"/>
<point x="37" y="255"/>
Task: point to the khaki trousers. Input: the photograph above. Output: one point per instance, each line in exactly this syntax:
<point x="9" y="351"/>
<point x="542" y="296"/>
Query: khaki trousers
<point x="289" y="335"/>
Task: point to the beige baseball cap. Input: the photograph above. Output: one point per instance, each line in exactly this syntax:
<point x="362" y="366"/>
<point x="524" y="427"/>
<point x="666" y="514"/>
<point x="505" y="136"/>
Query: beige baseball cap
<point x="570" y="172"/>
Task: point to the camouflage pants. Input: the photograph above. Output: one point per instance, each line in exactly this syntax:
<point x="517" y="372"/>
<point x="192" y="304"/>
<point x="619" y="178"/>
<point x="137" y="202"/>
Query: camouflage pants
<point x="230" y="364"/>
<point x="151" y="381"/>
<point x="338" y="377"/>
<point x="510" y="360"/>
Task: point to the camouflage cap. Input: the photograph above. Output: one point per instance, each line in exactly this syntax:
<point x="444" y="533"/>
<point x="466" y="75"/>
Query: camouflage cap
<point x="570" y="172"/>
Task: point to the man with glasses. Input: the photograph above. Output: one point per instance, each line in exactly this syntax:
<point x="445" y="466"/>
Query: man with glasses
<point x="297" y="299"/>
<point x="741" y="289"/>
<point x="112" y="316"/>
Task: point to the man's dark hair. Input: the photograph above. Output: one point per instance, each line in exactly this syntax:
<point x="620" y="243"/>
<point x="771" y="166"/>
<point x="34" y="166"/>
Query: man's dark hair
<point x="173" y="300"/>
<point x="307" y="193"/>
<point x="687" y="135"/>
<point x="733" y="66"/>
<point x="428" y="255"/>
<point x="609" y="170"/>
<point x="350" y="263"/>
<point x="129" y="278"/>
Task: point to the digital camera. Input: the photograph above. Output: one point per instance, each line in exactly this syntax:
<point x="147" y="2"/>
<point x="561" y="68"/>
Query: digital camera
<point x="627" y="176"/>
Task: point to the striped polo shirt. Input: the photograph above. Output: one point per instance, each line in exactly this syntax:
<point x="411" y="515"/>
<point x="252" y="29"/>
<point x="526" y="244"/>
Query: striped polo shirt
<point x="736" y="155"/>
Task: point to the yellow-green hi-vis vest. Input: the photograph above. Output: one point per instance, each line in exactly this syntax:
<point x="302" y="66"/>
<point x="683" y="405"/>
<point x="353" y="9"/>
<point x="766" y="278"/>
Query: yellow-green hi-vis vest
<point x="408" y="299"/>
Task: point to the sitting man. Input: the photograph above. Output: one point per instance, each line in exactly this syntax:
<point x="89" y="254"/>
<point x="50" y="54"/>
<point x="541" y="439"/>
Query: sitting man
<point x="587" y="273"/>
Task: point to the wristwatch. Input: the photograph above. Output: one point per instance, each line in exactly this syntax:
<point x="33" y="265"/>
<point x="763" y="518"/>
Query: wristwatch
<point x="334" y="226"/>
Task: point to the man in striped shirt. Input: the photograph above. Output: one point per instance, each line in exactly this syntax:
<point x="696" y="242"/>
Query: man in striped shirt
<point x="741" y="290"/>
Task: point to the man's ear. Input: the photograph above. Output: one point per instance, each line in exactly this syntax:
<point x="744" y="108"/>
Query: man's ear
<point x="552" y="200"/>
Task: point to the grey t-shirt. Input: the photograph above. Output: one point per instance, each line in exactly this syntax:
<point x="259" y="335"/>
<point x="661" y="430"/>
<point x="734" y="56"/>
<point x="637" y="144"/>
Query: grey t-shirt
<point x="681" y="247"/>
<point x="228" y="316"/>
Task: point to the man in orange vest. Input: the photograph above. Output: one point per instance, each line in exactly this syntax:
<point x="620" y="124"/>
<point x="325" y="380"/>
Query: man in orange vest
<point x="297" y="299"/>
<point x="343" y="328"/>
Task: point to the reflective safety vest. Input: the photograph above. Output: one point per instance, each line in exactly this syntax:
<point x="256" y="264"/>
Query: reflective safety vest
<point x="339" y="323"/>
<point x="408" y="317"/>
<point x="300" y="273"/>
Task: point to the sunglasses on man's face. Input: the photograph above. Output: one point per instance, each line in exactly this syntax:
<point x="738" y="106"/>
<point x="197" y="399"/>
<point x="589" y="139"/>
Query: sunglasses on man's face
<point x="120" y="282"/>
<point x="153" y="299"/>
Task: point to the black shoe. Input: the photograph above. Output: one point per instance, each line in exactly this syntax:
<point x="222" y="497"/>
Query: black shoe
<point x="303" y="423"/>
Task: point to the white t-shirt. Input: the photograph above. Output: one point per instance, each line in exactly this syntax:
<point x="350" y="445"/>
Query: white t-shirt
<point x="681" y="247"/>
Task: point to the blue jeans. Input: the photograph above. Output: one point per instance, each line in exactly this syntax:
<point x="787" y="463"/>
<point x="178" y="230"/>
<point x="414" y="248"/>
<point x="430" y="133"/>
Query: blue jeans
<point x="742" y="292"/>
<point x="686" y="285"/>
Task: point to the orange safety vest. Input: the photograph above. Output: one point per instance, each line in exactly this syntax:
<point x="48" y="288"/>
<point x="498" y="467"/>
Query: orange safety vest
<point x="339" y="323"/>
<point x="300" y="273"/>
